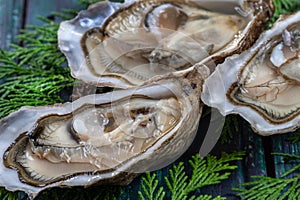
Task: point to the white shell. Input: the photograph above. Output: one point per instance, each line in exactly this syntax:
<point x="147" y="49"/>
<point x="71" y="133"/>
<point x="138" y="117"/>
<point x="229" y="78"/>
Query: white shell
<point x="85" y="66"/>
<point x="217" y="86"/>
<point x="164" y="151"/>
<point x="186" y="90"/>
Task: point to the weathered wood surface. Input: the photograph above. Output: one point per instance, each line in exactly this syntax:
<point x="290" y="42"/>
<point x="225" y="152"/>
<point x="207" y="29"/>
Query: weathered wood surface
<point x="45" y="8"/>
<point x="11" y="20"/>
<point x="281" y="144"/>
<point x="16" y="14"/>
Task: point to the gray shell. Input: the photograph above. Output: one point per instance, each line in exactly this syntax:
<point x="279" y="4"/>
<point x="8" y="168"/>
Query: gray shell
<point x="23" y="140"/>
<point x="262" y="84"/>
<point x="125" y="45"/>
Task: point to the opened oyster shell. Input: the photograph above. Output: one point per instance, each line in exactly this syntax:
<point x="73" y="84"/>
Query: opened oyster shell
<point x="108" y="138"/>
<point x="263" y="83"/>
<point x="102" y="138"/>
<point x="125" y="45"/>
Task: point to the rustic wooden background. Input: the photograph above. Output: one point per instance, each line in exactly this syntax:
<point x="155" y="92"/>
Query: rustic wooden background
<point x="17" y="14"/>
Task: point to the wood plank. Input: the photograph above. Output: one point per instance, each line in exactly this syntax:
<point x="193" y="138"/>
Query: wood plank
<point x="282" y="145"/>
<point x="11" y="13"/>
<point x="45" y="8"/>
<point x="245" y="139"/>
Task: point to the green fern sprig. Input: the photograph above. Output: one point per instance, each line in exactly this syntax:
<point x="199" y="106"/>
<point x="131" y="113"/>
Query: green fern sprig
<point x="208" y="171"/>
<point x="269" y="188"/>
<point x="206" y="197"/>
<point x="32" y="74"/>
<point x="177" y="183"/>
<point x="31" y="87"/>
<point x="205" y="171"/>
<point x="39" y="46"/>
<point x="149" y="188"/>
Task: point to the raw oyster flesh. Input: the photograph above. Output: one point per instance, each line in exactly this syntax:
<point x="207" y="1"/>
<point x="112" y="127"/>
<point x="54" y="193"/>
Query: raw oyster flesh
<point x="124" y="45"/>
<point x="98" y="138"/>
<point x="263" y="84"/>
<point x="150" y="49"/>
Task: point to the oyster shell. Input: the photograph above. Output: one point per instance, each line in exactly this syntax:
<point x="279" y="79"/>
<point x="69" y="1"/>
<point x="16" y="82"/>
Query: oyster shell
<point x="125" y="45"/>
<point x="101" y="138"/>
<point x="262" y="84"/>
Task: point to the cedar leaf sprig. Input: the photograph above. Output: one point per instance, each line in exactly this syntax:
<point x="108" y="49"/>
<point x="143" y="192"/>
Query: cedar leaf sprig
<point x="287" y="186"/>
<point x="32" y="74"/>
<point x="205" y="171"/>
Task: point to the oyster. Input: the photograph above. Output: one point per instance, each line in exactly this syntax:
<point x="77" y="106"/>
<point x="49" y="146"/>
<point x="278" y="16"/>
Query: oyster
<point x="262" y="84"/>
<point x="148" y="47"/>
<point x="125" y="45"/>
<point x="101" y="138"/>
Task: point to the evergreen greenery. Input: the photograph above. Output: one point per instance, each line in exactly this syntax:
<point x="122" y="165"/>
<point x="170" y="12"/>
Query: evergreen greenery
<point x="33" y="74"/>
<point x="295" y="137"/>
<point x="287" y="186"/>
<point x="284" y="7"/>
<point x="205" y="171"/>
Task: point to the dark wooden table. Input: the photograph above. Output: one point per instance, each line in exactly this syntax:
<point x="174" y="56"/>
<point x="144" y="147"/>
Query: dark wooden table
<point x="17" y="14"/>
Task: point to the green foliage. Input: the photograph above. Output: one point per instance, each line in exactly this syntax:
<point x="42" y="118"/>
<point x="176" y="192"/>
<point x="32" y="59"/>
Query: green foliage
<point x="5" y="195"/>
<point x="284" y="7"/>
<point x="286" y="186"/>
<point x="205" y="171"/>
<point x="288" y="157"/>
<point x="267" y="188"/>
<point x="32" y="74"/>
<point x="206" y="197"/>
<point x="150" y="188"/>
<point x="295" y="137"/>
<point x="39" y="46"/>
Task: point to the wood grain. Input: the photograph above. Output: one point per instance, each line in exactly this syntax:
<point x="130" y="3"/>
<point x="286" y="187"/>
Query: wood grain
<point x="45" y="8"/>
<point x="257" y="148"/>
<point x="11" y="12"/>
<point x="281" y="144"/>
<point x="252" y="164"/>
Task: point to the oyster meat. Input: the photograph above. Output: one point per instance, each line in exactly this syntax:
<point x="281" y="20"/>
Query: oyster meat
<point x="101" y="138"/>
<point x="262" y="84"/>
<point x="125" y="45"/>
<point x="158" y="50"/>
